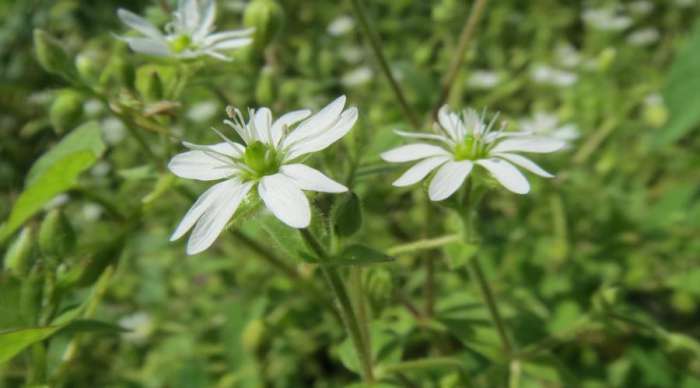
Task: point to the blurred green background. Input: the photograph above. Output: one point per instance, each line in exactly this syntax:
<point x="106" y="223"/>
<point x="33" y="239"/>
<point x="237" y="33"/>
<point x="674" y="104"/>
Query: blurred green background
<point x="597" y="272"/>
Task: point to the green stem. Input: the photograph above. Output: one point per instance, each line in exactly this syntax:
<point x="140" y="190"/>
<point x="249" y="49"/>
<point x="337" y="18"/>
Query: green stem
<point x="376" y="45"/>
<point x="348" y="312"/>
<point x="478" y="274"/>
<point x="458" y="57"/>
<point x="360" y="302"/>
<point x="420" y="245"/>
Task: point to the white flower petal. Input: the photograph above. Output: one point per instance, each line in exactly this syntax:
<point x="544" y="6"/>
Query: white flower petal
<point x="420" y="170"/>
<point x="227" y="35"/>
<point x="232" y="149"/>
<point x="308" y="178"/>
<point x="446" y="122"/>
<point x="139" y="24"/>
<point x="423" y="135"/>
<point x="149" y="46"/>
<point x="317" y="123"/>
<point x="448" y="179"/>
<point x="525" y="163"/>
<point x="262" y="123"/>
<point x="506" y="174"/>
<point x="189" y="14"/>
<point x="208" y="14"/>
<point x="216" y="215"/>
<point x="285" y="121"/>
<point x="231" y="44"/>
<point x="285" y="200"/>
<point x="215" y="193"/>
<point x="411" y="152"/>
<point x="529" y="144"/>
<point x="201" y="165"/>
<point x="325" y="138"/>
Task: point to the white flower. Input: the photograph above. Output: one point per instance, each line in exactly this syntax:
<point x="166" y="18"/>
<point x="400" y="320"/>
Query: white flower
<point x="356" y="77"/>
<point x="188" y="35"/>
<point x="484" y="79"/>
<point x="644" y="37"/>
<point x="464" y="142"/>
<point x="341" y="25"/>
<point x="606" y="19"/>
<point x="548" y="75"/>
<point x="268" y="162"/>
<point x="547" y="124"/>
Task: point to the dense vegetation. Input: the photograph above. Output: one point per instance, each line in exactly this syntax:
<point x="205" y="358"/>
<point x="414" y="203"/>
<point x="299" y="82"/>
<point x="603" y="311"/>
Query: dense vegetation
<point x="595" y="273"/>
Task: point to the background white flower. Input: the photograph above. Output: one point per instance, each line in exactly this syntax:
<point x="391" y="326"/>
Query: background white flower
<point x="267" y="162"/>
<point x="188" y="35"/>
<point x="547" y="124"/>
<point x="463" y="142"/>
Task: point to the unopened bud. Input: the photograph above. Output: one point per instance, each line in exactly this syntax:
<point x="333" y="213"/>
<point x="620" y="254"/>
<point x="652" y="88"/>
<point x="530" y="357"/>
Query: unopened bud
<point x="19" y="255"/>
<point x="267" y="17"/>
<point x="51" y="55"/>
<point x="149" y="84"/>
<point x="265" y="90"/>
<point x="253" y="335"/>
<point x="56" y="236"/>
<point x="66" y="110"/>
<point x="87" y="68"/>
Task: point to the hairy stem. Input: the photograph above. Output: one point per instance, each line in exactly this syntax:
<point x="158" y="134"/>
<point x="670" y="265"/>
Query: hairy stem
<point x="350" y="319"/>
<point x="376" y="45"/>
<point x="478" y="274"/>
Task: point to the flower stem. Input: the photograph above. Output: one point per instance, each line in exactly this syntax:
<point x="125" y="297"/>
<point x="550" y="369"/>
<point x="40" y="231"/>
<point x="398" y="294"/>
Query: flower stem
<point x="487" y="294"/>
<point x="458" y="57"/>
<point x="376" y="45"/>
<point x="348" y="312"/>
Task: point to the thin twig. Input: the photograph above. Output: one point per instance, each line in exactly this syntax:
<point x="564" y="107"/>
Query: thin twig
<point x="458" y="58"/>
<point x="376" y="45"/>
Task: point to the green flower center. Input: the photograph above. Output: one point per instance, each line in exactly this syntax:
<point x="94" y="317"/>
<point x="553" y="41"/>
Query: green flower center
<point x="180" y="43"/>
<point x="470" y="149"/>
<point x="262" y="159"/>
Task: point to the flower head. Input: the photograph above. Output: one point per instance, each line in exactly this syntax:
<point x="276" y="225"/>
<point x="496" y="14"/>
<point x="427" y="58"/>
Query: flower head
<point x="267" y="161"/>
<point x="463" y="142"/>
<point x="189" y="35"/>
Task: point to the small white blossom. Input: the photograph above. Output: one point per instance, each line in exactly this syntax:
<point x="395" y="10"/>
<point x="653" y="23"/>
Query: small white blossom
<point x="113" y="130"/>
<point x="484" y="79"/>
<point x="463" y="142"/>
<point x="267" y="163"/>
<point x="203" y="111"/>
<point x="606" y="19"/>
<point x="644" y="37"/>
<point x="341" y="25"/>
<point x="641" y="7"/>
<point x="547" y="124"/>
<point x="189" y="35"/>
<point x="356" y="77"/>
<point x="567" y="55"/>
<point x="548" y="75"/>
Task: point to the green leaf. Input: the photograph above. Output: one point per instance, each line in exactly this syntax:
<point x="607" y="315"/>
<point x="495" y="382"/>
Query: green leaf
<point x="459" y="253"/>
<point x="13" y="342"/>
<point x="10" y="290"/>
<point x="286" y="238"/>
<point x="358" y="254"/>
<point x="58" y="178"/>
<point x="92" y="325"/>
<point x="680" y="92"/>
<point x="87" y="137"/>
<point x="347" y="215"/>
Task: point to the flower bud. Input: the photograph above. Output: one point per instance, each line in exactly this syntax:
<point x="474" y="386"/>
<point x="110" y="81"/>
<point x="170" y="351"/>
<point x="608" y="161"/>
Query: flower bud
<point x="267" y="17"/>
<point x="253" y="335"/>
<point x="378" y="284"/>
<point x="51" y="55"/>
<point x="87" y="69"/>
<point x="66" y="110"/>
<point x="265" y="90"/>
<point x="19" y="255"/>
<point x="149" y="84"/>
<point x="56" y="236"/>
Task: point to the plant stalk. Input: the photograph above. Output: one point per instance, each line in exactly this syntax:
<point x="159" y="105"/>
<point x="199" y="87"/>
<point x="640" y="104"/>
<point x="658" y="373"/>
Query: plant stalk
<point x="347" y="310"/>
<point x="458" y="58"/>
<point x="376" y="44"/>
